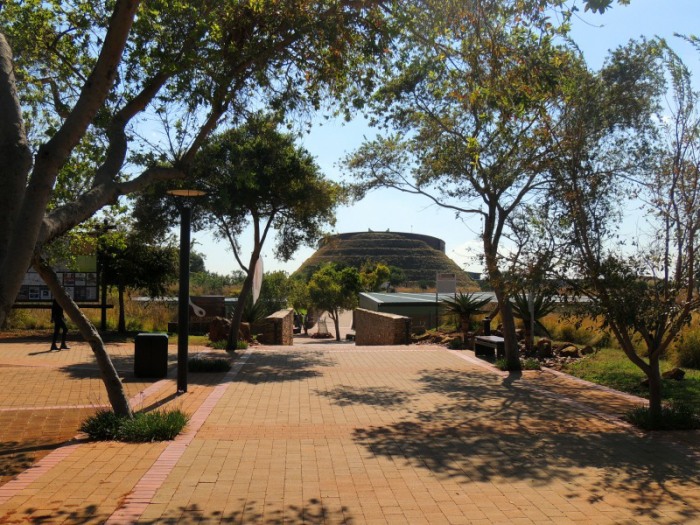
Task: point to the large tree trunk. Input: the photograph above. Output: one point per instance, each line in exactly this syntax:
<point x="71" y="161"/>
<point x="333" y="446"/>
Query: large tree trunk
<point x="654" y="376"/>
<point x="110" y="378"/>
<point x="505" y="309"/>
<point x="238" y="312"/>
<point x="336" y="323"/>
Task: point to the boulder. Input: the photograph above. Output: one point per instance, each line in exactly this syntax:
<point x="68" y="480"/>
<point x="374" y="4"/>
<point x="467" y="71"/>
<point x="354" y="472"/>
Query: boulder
<point x="219" y="328"/>
<point x="588" y="350"/>
<point x="676" y="374"/>
<point x="544" y="348"/>
<point x="567" y="350"/>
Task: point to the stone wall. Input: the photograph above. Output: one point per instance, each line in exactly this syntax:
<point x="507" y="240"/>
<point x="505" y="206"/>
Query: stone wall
<point x="276" y="329"/>
<point x="375" y="328"/>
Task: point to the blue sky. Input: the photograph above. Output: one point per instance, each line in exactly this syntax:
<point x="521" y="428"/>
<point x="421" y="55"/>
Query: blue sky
<point x="386" y="209"/>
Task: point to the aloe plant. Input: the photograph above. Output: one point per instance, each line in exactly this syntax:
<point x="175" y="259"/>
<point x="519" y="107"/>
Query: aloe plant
<point x="543" y="304"/>
<point x="465" y="306"/>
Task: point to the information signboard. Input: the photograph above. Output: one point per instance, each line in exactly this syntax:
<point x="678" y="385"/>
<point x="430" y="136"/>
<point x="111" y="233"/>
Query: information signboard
<point x="79" y="282"/>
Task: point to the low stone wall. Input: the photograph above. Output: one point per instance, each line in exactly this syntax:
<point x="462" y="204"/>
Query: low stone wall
<point x="375" y="328"/>
<point x="276" y="329"/>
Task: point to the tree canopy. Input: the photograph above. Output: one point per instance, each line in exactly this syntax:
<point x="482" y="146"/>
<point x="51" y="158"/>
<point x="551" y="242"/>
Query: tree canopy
<point x="81" y="81"/>
<point x="259" y="177"/>
<point x="333" y="289"/>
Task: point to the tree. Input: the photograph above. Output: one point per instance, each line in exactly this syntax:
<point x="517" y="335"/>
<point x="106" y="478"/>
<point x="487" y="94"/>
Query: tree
<point x="333" y="289"/>
<point x="129" y="262"/>
<point x="261" y="178"/>
<point x="470" y="99"/>
<point x="609" y="150"/>
<point x="274" y="292"/>
<point x="86" y="75"/>
<point x="374" y="276"/>
<point x="464" y="306"/>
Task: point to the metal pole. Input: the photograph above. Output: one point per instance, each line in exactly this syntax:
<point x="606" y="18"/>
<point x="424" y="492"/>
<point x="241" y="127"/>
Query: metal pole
<point x="183" y="301"/>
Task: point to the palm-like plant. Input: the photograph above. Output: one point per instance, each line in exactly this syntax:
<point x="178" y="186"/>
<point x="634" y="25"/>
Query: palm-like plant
<point x="543" y="303"/>
<point x="464" y="306"/>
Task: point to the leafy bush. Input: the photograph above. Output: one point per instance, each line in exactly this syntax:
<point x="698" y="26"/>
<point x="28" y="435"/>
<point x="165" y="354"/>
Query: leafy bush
<point x="208" y="364"/>
<point x="158" y="425"/>
<point x="221" y="345"/>
<point x="502" y="364"/>
<point x="530" y="364"/>
<point x="687" y="351"/>
<point x="571" y="333"/>
<point x="676" y="416"/>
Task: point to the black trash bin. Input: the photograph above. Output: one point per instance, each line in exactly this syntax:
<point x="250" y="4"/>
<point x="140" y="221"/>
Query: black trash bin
<point x="151" y="355"/>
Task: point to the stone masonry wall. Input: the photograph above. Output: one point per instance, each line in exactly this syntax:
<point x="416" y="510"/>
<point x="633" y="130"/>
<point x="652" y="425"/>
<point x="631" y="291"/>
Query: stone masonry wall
<point x="375" y="328"/>
<point x="276" y="329"/>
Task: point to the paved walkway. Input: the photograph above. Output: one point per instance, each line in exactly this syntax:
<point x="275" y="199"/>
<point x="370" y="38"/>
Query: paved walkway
<point x="332" y="433"/>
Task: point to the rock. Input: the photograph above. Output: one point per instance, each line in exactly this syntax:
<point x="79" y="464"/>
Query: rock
<point x="544" y="349"/>
<point x="676" y="374"/>
<point x="219" y="328"/>
<point x="422" y="337"/>
<point x="567" y="350"/>
<point x="588" y="350"/>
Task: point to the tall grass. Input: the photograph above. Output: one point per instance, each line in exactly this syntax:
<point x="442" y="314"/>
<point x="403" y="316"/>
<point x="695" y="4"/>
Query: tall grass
<point x="146" y="317"/>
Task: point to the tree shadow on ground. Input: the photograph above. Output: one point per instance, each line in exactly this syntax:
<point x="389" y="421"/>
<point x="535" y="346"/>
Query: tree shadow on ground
<point x="312" y="512"/>
<point x="483" y="433"/>
<point x="278" y="367"/>
<point x="16" y="456"/>
<point x="345" y="395"/>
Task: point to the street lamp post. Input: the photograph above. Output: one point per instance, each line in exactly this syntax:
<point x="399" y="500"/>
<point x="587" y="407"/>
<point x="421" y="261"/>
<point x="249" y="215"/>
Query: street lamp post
<point x="183" y="316"/>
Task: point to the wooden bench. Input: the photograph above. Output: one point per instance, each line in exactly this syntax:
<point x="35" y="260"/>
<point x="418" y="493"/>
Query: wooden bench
<point x="486" y="344"/>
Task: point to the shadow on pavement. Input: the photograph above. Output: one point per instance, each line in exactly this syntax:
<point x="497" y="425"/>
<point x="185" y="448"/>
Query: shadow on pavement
<point x="478" y="434"/>
<point x="277" y="367"/>
<point x="312" y="513"/>
<point x="345" y="395"/>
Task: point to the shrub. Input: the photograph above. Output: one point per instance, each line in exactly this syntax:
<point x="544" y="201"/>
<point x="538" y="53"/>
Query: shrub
<point x="573" y="334"/>
<point x="687" y="351"/>
<point x="502" y="364"/>
<point x="158" y="425"/>
<point x="530" y="364"/>
<point x="676" y="416"/>
<point x="208" y="364"/>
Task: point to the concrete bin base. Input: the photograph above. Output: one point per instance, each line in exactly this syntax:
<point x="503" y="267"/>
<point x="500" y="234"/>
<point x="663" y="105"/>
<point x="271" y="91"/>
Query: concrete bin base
<point x="151" y="355"/>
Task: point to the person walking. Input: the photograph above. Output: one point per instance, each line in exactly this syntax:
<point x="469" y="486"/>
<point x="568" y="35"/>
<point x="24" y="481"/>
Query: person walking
<point x="59" y="324"/>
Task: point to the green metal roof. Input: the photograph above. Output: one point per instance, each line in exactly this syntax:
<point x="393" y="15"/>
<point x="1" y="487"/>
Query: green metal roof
<point x="416" y="298"/>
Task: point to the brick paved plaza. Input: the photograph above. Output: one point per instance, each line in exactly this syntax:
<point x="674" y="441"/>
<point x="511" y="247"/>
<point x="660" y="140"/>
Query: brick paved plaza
<point x="332" y="433"/>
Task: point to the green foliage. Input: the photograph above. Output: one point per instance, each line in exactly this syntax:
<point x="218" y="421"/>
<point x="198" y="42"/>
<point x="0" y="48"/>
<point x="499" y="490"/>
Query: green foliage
<point x="198" y="363"/>
<point x="275" y="290"/>
<point x="158" y="425"/>
<point x="130" y="262"/>
<point x="333" y="288"/>
<point x="502" y="364"/>
<point x="255" y="312"/>
<point x="543" y="304"/>
<point x="612" y="368"/>
<point x="530" y="364"/>
<point x="525" y="364"/>
<point x="221" y="345"/>
<point x="676" y="416"/>
<point x="571" y="333"/>
<point x="686" y="352"/>
<point x="374" y="276"/>
<point x="464" y="306"/>
<point x="258" y="175"/>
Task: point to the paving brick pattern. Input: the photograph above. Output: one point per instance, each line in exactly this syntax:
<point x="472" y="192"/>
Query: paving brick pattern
<point x="327" y="433"/>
